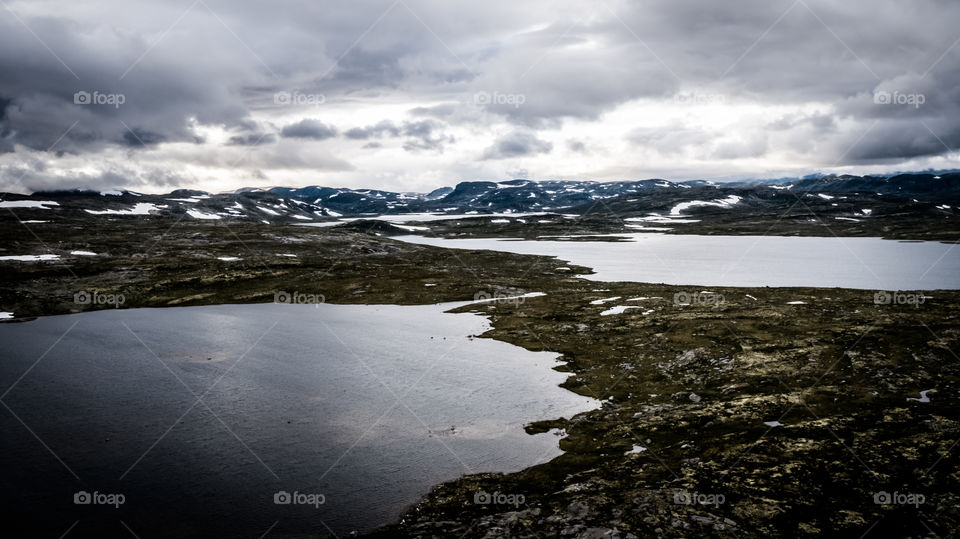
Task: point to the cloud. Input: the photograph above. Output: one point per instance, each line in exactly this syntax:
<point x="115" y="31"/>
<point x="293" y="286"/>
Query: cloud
<point x="577" y="146"/>
<point x="379" y="130"/>
<point x="252" y="139"/>
<point x="31" y="178"/>
<point x="310" y="129"/>
<point x="421" y="134"/>
<point x="442" y="111"/>
<point x="425" y="135"/>
<point x="84" y="103"/>
<point x="696" y="88"/>
<point x="670" y="139"/>
<point x="517" y="144"/>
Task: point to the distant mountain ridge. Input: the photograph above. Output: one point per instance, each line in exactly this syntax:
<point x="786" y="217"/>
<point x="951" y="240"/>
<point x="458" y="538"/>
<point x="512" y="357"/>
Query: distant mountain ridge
<point x="317" y="203"/>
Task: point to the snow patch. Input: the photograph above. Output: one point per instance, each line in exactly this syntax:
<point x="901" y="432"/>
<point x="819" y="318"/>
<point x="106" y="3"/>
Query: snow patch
<point x="655" y="228"/>
<point x="41" y="204"/>
<point x="141" y="208"/>
<point x="618" y="309"/>
<point x="720" y="203"/>
<point x="200" y="215"/>
<point x="656" y="218"/>
<point x="923" y="396"/>
<point x="412" y="228"/>
<point x="30" y="258"/>
<point x="319" y="225"/>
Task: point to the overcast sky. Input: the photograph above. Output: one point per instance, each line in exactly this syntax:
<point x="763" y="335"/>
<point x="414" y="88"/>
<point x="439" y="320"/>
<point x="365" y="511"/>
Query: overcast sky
<point x="415" y="94"/>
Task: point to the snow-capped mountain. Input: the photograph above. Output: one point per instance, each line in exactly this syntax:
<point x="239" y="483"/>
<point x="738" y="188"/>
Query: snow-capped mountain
<point x="315" y="203"/>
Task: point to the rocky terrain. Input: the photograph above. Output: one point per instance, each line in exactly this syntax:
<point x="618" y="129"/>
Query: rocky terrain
<point x="751" y="417"/>
<point x="164" y="262"/>
<point x="748" y="412"/>
<point x="907" y="206"/>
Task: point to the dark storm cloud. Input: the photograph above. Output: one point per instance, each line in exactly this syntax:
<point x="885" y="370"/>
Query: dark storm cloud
<point x="252" y="139"/>
<point x="908" y="116"/>
<point x="138" y="138"/>
<point x="310" y="129"/>
<point x="905" y="139"/>
<point x="84" y="104"/>
<point x="149" y="74"/>
<point x="517" y="144"/>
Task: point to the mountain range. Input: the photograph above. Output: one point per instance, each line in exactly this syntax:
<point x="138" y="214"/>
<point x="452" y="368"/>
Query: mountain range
<point x="302" y="204"/>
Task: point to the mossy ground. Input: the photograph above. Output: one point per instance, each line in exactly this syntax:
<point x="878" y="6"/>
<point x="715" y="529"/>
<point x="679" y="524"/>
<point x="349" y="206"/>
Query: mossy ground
<point x="687" y="389"/>
<point x="694" y="386"/>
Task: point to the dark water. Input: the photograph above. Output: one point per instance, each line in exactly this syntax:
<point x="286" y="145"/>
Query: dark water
<point x="368" y="406"/>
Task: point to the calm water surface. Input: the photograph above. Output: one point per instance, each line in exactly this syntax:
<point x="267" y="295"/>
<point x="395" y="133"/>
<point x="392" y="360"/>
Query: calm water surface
<point x="199" y="415"/>
<point x="682" y="259"/>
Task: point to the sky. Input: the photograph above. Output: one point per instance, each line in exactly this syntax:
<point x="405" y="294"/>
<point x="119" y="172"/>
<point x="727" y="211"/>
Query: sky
<point x="410" y="95"/>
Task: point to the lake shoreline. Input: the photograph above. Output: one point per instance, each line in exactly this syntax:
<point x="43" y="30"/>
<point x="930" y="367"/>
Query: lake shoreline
<point x="322" y="378"/>
<point x="756" y="357"/>
<point x="739" y="402"/>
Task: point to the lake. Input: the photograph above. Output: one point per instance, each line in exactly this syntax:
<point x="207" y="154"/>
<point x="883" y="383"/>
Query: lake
<point x="682" y="259"/>
<point x="364" y="407"/>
